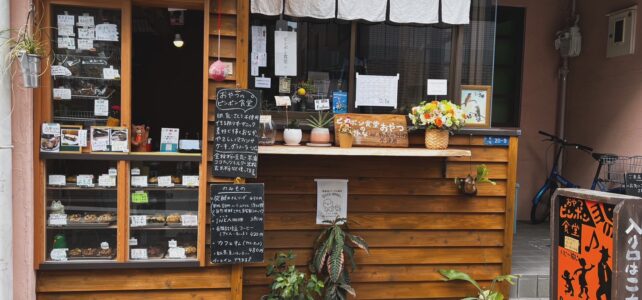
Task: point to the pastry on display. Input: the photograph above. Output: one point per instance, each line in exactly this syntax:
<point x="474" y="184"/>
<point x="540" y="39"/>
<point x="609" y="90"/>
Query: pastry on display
<point x="71" y="179"/>
<point x="176" y="180"/>
<point x="190" y="251"/>
<point x="106" y="218"/>
<point x="174" y="218"/>
<point x="90" y="218"/>
<point x="75" y="252"/>
<point x="156" y="219"/>
<point x="74" y="218"/>
<point x="89" y="252"/>
<point x="105" y="252"/>
<point x="154" y="252"/>
<point x="152" y="180"/>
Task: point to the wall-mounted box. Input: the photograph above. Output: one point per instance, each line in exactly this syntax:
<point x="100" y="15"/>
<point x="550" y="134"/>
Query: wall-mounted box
<point x="621" y="39"/>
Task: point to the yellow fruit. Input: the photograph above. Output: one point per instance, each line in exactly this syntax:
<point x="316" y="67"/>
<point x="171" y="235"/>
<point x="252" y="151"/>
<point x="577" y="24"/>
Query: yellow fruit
<point x="301" y="92"/>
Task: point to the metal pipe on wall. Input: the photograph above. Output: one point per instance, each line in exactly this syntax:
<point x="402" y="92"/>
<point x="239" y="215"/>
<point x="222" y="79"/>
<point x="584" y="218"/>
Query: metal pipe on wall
<point x="6" y="224"/>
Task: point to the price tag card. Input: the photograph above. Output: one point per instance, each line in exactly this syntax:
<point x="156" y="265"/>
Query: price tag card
<point x="66" y="20"/>
<point x="59" y="180"/>
<point x="60" y="71"/>
<point x="135" y="171"/>
<point x="85" y="180"/>
<point x="176" y="253"/>
<point x="133" y="242"/>
<point x="111" y="73"/>
<point x="139" y="181"/>
<point x="85" y="44"/>
<point x="82" y="138"/>
<point x="59" y="254"/>
<point x="86" y="33"/>
<point x="62" y="94"/>
<point x="190" y="180"/>
<point x="85" y="21"/>
<point x="262" y="82"/>
<point x="140" y="197"/>
<point x="101" y="107"/>
<point x="138" y="221"/>
<point x="189" y="220"/>
<point x="265" y="119"/>
<point x="138" y="253"/>
<point x="112" y="172"/>
<point x="66" y="43"/>
<point x="106" y="180"/>
<point x="172" y="243"/>
<point x="57" y="219"/>
<point x="322" y="104"/>
<point x="66" y="30"/>
<point x="283" y="100"/>
<point x="165" y="181"/>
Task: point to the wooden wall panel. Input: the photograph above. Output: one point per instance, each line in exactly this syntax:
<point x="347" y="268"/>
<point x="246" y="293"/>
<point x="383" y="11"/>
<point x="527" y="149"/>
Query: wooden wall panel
<point x="138" y="295"/>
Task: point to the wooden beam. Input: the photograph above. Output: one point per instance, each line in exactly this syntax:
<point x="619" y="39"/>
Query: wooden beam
<point x="509" y="226"/>
<point x="242" y="44"/>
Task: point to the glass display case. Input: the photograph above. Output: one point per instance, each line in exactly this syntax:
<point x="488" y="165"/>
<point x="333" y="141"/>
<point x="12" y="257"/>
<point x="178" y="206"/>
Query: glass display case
<point x="163" y="211"/>
<point x="81" y="210"/>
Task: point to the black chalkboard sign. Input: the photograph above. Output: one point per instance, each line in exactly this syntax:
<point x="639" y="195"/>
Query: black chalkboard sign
<point x="634" y="184"/>
<point x="236" y="141"/>
<point x="237" y="223"/>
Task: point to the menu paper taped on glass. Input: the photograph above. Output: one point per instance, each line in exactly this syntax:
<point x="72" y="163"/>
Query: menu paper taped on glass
<point x="101" y="107"/>
<point x="332" y="200"/>
<point x="66" y="30"/>
<point x="60" y="71"/>
<point x="87" y="33"/>
<point x="85" y="44"/>
<point x="285" y="53"/>
<point x="263" y="82"/>
<point x="85" y="21"/>
<point x="107" y="32"/>
<point x="375" y="90"/>
<point x="62" y="94"/>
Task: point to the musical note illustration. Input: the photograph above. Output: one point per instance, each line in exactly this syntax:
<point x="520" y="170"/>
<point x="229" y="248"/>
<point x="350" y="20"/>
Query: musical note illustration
<point x="590" y="245"/>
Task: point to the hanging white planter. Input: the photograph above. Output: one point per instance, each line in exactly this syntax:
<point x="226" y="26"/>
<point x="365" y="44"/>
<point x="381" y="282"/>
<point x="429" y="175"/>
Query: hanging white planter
<point x="30" y="67"/>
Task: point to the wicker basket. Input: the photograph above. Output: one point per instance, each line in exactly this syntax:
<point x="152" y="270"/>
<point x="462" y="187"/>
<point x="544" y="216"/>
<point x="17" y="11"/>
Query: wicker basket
<point x="437" y="139"/>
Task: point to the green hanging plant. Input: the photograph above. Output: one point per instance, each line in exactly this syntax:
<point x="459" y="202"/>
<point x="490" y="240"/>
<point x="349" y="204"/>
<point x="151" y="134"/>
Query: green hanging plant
<point x="288" y="282"/>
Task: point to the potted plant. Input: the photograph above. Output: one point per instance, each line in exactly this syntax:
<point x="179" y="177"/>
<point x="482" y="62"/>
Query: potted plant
<point x="288" y="282"/>
<point x="28" y="51"/>
<point x="468" y="185"/>
<point x="305" y="90"/>
<point x="346" y="134"/>
<point x="484" y="294"/>
<point x="292" y="134"/>
<point x="320" y="134"/>
<point x="440" y="119"/>
<point x="333" y="254"/>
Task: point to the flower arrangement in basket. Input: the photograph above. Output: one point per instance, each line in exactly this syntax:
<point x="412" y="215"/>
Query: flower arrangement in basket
<point x="346" y="134"/>
<point x="440" y="118"/>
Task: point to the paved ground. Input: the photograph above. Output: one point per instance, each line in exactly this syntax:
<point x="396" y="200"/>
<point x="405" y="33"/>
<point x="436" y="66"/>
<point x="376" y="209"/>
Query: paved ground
<point x="531" y="260"/>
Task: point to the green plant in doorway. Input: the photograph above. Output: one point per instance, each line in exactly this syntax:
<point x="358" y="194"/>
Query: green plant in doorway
<point x="483" y="293"/>
<point x="290" y="283"/>
<point x="482" y="175"/>
<point x="333" y="258"/>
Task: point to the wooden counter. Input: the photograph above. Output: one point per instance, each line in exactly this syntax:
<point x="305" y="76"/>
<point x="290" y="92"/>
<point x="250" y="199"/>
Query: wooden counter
<point x="361" y="151"/>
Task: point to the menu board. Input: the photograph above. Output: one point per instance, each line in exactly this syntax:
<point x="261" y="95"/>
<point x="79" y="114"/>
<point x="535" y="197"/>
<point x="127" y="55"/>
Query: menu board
<point x="634" y="184"/>
<point x="236" y="142"/>
<point x="237" y="223"/>
<point x="375" y="130"/>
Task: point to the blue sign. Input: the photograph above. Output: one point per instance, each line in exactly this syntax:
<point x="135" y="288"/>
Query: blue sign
<point x="496" y="140"/>
<point x="340" y="102"/>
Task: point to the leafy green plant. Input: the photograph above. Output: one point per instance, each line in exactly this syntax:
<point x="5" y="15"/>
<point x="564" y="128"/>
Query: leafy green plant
<point x="482" y="175"/>
<point x="293" y="125"/>
<point x="322" y="120"/>
<point x="333" y="253"/>
<point x="308" y="86"/>
<point x="484" y="294"/>
<point x="289" y="283"/>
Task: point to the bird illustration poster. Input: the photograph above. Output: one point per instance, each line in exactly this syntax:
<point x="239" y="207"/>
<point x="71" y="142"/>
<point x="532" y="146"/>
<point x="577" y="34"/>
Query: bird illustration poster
<point x="585" y="249"/>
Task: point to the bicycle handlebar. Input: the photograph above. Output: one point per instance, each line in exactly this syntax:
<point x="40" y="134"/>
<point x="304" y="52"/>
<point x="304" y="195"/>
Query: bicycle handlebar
<point x="557" y="140"/>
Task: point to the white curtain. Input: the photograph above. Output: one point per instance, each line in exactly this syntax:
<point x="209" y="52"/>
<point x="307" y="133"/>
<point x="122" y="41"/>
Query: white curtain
<point x="267" y="7"/>
<point x="455" y="11"/>
<point x="415" y="11"/>
<point x="318" y="9"/>
<point x="369" y="10"/>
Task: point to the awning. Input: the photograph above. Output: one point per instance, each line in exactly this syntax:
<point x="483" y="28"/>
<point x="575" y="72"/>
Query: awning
<point x="318" y="9"/>
<point x="455" y="11"/>
<point x="267" y="7"/>
<point x="369" y="10"/>
<point x="414" y="11"/>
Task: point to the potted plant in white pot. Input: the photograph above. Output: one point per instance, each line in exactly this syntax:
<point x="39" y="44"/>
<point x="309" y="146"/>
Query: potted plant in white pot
<point x="440" y="118"/>
<point x="320" y="134"/>
<point x="292" y="134"/>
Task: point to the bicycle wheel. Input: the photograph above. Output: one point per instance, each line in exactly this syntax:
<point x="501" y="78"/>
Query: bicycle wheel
<point x="541" y="209"/>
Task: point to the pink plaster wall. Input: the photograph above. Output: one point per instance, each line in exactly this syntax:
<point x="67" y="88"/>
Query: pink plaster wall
<point x="24" y="280"/>
<point x="539" y="93"/>
<point x="605" y="95"/>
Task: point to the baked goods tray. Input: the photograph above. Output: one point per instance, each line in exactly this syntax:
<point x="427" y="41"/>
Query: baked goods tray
<point x="81" y="225"/>
<point x="91" y="257"/>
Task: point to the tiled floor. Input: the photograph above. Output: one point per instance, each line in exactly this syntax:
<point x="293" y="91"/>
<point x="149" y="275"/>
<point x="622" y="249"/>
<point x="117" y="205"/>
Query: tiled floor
<point x="531" y="260"/>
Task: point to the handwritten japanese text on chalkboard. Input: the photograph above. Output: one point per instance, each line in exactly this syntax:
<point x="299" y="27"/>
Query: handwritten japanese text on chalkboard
<point x="634" y="184"/>
<point x="236" y="134"/>
<point x="237" y="223"/>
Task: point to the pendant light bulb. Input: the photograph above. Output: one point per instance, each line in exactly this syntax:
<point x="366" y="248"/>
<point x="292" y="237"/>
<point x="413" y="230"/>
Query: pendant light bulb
<point x="178" y="41"/>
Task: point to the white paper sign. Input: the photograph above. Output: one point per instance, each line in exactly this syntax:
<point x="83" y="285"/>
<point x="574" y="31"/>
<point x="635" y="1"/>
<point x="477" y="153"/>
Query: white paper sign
<point x="189" y="220"/>
<point x="99" y="145"/>
<point x="285" y="53"/>
<point x="437" y="87"/>
<point x="85" y="44"/>
<point x="133" y="242"/>
<point x="66" y="20"/>
<point x="85" y="180"/>
<point x="265" y="119"/>
<point x="138" y="253"/>
<point x="259" y="39"/>
<point x="110" y="73"/>
<point x="107" y="32"/>
<point x="66" y="43"/>
<point x="165" y="181"/>
<point x="321" y="104"/>
<point x="190" y="180"/>
<point x="374" y="90"/>
<point x="85" y="21"/>
<point x="59" y="180"/>
<point x="62" y="94"/>
<point x="106" y="180"/>
<point x="112" y="172"/>
<point x="66" y="30"/>
<point x="59" y="254"/>
<point x="332" y="199"/>
<point x="135" y="171"/>
<point x="139" y="181"/>
<point x="176" y="252"/>
<point x="283" y="100"/>
<point x="60" y="71"/>
<point x="172" y="244"/>
<point x="138" y="221"/>
<point x="104" y="245"/>
<point x="87" y="33"/>
<point x="101" y="107"/>
<point x="57" y="219"/>
<point x="262" y="82"/>
<point x="82" y="138"/>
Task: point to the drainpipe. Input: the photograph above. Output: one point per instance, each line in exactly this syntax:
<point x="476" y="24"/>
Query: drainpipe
<point x="6" y="227"/>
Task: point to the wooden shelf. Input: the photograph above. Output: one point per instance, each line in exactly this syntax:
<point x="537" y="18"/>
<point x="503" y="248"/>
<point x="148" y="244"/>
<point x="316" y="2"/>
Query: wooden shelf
<point x="131" y="156"/>
<point x="361" y="151"/>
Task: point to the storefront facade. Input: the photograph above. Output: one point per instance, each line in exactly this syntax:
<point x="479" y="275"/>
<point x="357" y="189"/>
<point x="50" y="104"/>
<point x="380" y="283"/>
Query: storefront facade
<point x="405" y="205"/>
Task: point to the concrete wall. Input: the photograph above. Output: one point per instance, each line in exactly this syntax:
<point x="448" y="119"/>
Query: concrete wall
<point x="24" y="280"/>
<point x="605" y="95"/>
<point x="539" y="93"/>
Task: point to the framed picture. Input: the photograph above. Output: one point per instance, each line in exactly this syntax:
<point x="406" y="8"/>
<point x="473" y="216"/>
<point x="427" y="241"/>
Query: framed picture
<point x="50" y="137"/>
<point x="476" y="101"/>
<point x="71" y="138"/>
<point x="100" y="138"/>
